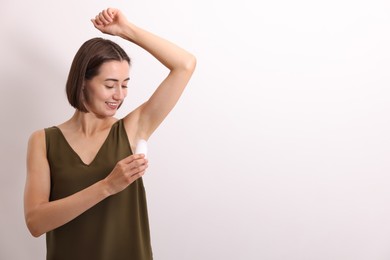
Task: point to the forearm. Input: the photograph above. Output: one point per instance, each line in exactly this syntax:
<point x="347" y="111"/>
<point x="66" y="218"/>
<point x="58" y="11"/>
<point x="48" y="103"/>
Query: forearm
<point x="169" y="54"/>
<point x="50" y="215"/>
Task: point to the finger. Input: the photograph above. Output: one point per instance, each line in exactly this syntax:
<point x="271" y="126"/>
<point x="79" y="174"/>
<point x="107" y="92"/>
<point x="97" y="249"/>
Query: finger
<point x="139" y="163"/>
<point x="136" y="166"/>
<point x="95" y="23"/>
<point x="132" y="157"/>
<point x="138" y="174"/>
<point x="98" y="21"/>
<point x="102" y="19"/>
<point x="111" y="12"/>
<point x="107" y="16"/>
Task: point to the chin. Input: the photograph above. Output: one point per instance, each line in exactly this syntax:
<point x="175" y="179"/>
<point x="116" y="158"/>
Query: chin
<point x="109" y="114"/>
<point x="103" y="114"/>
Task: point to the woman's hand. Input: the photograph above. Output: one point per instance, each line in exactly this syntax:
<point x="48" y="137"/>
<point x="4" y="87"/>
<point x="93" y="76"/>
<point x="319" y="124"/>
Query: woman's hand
<point x="126" y="172"/>
<point x="110" y="21"/>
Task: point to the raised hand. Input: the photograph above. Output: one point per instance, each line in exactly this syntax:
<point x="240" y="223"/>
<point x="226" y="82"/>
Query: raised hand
<point x="110" y="21"/>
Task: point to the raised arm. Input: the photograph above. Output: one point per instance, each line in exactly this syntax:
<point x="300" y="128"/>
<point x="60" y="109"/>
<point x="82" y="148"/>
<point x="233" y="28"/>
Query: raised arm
<point x="180" y="63"/>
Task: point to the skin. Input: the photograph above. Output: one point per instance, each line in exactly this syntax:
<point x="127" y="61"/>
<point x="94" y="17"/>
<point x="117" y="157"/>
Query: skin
<point x="86" y="132"/>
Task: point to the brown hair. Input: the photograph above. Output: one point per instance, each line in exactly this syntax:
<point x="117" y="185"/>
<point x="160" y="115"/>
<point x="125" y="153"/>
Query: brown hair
<point x="86" y="64"/>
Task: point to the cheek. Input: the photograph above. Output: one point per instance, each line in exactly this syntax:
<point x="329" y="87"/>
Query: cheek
<point x="91" y="95"/>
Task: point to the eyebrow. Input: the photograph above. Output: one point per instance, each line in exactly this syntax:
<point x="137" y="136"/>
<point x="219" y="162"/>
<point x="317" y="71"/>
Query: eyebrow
<point x="116" y="80"/>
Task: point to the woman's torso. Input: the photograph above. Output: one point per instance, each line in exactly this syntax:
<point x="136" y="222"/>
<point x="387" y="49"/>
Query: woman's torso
<point x="114" y="229"/>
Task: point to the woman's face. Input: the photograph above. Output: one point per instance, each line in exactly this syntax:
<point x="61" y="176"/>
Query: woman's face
<point x="106" y="91"/>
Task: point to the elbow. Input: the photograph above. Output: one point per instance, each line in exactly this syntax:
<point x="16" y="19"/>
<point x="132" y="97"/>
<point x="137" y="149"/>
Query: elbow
<point x="185" y="65"/>
<point x="35" y="234"/>
<point x="191" y="63"/>
<point x="33" y="227"/>
<point x="34" y="231"/>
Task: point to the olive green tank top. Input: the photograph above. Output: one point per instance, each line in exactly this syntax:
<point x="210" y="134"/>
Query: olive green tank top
<point x="117" y="228"/>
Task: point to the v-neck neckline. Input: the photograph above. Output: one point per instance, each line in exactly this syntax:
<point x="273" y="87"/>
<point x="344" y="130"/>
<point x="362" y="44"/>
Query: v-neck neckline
<point x="98" y="151"/>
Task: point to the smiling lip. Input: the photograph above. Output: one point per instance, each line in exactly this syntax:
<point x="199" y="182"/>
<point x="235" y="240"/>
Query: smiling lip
<point x="112" y="105"/>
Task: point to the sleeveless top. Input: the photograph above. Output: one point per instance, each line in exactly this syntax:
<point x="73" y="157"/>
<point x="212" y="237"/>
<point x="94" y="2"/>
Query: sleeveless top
<point x="116" y="228"/>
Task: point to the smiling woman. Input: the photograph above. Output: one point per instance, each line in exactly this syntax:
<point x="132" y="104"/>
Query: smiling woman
<point x="95" y="58"/>
<point x="84" y="185"/>
<point x="108" y="89"/>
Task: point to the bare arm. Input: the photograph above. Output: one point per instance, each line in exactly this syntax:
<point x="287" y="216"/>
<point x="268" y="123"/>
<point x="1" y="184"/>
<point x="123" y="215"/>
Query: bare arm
<point x="180" y="63"/>
<point x="43" y="215"/>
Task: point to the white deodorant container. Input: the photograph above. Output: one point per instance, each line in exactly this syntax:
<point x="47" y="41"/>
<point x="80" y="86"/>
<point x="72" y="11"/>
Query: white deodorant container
<point x="142" y="147"/>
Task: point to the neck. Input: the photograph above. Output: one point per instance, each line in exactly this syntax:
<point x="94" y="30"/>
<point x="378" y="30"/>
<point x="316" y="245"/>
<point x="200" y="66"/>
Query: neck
<point x="88" y="123"/>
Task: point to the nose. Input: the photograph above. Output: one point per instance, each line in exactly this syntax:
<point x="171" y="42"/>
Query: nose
<point x="119" y="93"/>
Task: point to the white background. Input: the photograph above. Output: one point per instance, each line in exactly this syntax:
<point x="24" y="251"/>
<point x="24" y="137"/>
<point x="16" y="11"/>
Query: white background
<point x="279" y="148"/>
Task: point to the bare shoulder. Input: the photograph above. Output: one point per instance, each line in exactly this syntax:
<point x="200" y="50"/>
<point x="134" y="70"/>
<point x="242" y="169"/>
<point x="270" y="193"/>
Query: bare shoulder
<point x="37" y="140"/>
<point x="37" y="163"/>
<point x="37" y="136"/>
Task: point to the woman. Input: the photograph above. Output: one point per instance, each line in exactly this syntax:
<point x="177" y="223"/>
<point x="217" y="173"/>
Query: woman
<point x="84" y="187"/>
